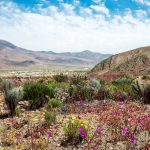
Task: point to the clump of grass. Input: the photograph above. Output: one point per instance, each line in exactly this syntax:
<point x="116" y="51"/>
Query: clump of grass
<point x="53" y="103"/>
<point x="50" y="117"/>
<point x="60" y="78"/>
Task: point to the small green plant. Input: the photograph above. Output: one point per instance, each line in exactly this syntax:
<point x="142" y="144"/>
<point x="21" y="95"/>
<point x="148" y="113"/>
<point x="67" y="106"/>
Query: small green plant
<point x="12" y="97"/>
<point x="138" y="89"/>
<point x="53" y="103"/>
<point x="147" y="94"/>
<point x="79" y="80"/>
<point x="145" y="77"/>
<point x="7" y="85"/>
<point x="60" y="78"/>
<point x="123" y="81"/>
<point x="71" y="130"/>
<point x="74" y="130"/>
<point x="95" y="84"/>
<point x="50" y="117"/>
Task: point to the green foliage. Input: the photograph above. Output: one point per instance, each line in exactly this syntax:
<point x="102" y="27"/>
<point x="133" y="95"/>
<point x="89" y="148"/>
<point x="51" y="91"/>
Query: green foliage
<point x="50" y="117"/>
<point x="123" y="81"/>
<point x="37" y="94"/>
<point x="12" y="97"/>
<point x="71" y="130"/>
<point x="54" y="103"/>
<point x="79" y="80"/>
<point x="60" y="78"/>
<point x="145" y="77"/>
<point x="86" y="93"/>
<point x="95" y="84"/>
<point x="7" y="85"/>
<point x="80" y="92"/>
<point x="55" y="84"/>
<point x="147" y="94"/>
<point x="138" y="89"/>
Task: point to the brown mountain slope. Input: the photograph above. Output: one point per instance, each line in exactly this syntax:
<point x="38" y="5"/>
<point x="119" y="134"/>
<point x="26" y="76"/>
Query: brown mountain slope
<point x="13" y="57"/>
<point x="137" y="60"/>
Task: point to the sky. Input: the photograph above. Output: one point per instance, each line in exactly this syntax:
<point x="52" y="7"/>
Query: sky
<point x="105" y="26"/>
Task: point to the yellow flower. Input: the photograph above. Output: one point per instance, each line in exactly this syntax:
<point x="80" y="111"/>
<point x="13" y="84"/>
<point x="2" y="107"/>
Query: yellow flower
<point x="11" y="134"/>
<point x="82" y="124"/>
<point x="85" y="127"/>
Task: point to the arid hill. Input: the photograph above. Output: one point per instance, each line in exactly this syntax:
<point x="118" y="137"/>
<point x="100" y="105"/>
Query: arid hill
<point x="13" y="57"/>
<point x="137" y="60"/>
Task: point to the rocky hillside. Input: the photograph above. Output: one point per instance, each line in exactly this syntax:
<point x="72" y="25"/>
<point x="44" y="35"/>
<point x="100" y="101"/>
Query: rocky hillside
<point x="137" y="60"/>
<point x="14" y="57"/>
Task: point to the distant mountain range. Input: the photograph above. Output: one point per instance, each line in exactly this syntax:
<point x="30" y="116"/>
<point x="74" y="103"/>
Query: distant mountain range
<point x="14" y="57"/>
<point x="137" y="60"/>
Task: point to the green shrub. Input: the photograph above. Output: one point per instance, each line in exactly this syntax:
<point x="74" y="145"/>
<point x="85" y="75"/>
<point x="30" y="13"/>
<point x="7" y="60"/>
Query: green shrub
<point x="147" y="94"/>
<point x="12" y="97"/>
<point x="37" y="94"/>
<point x="95" y="84"/>
<point x="79" y="80"/>
<point x="54" y="103"/>
<point x="71" y="130"/>
<point x="86" y="93"/>
<point x="79" y="92"/>
<point x="123" y="81"/>
<point x="60" y="78"/>
<point x="55" y="84"/>
<point x="7" y="85"/>
<point x="145" y="77"/>
<point x="50" y="117"/>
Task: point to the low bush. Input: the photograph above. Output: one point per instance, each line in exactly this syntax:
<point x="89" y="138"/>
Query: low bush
<point x="53" y="103"/>
<point x="147" y="94"/>
<point x="80" y="92"/>
<point x="79" y="80"/>
<point x="37" y="94"/>
<point x="50" y="117"/>
<point x="95" y="84"/>
<point x="123" y="81"/>
<point x="145" y="77"/>
<point x="7" y="85"/>
<point x="12" y="97"/>
<point x="60" y="78"/>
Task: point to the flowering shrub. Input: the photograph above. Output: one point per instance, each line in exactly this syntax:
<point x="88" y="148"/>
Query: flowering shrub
<point x="75" y="130"/>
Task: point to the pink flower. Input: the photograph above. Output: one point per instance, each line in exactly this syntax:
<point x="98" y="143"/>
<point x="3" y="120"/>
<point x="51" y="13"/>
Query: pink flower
<point x="124" y="130"/>
<point x="55" y="126"/>
<point x="50" y="134"/>
<point x="127" y="134"/>
<point x="83" y="134"/>
<point x="132" y="141"/>
<point x="99" y="130"/>
<point x="81" y="128"/>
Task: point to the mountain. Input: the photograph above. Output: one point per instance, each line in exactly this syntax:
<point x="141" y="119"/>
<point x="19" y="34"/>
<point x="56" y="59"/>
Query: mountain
<point x="14" y="57"/>
<point x="137" y="60"/>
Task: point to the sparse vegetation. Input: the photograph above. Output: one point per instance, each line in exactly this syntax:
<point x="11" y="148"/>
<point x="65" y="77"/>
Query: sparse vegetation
<point x="85" y="113"/>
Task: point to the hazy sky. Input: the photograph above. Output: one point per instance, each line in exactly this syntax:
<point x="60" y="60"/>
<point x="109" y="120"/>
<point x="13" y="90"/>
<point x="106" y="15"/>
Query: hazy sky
<point x="106" y="26"/>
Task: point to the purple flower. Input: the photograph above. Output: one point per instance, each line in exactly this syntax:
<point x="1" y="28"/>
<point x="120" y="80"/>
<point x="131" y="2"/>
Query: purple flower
<point x="50" y="134"/>
<point x="81" y="128"/>
<point x="83" y="134"/>
<point x="124" y="130"/>
<point x="127" y="134"/>
<point x="120" y="103"/>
